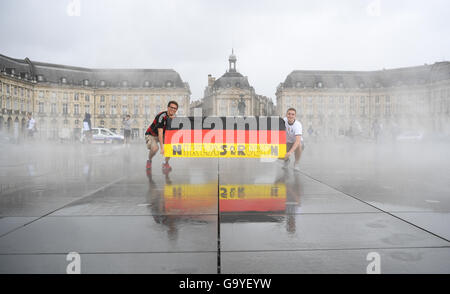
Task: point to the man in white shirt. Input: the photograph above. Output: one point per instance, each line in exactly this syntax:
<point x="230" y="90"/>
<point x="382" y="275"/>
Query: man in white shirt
<point x="294" y="140"/>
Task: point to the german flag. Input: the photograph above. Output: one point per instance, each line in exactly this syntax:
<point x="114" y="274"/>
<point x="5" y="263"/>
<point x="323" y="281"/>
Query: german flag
<point x="244" y="137"/>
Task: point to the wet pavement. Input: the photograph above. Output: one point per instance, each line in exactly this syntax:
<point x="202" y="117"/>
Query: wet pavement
<point x="225" y="215"/>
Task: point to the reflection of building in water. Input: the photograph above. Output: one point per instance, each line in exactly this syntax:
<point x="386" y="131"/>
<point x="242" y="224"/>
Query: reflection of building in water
<point x="59" y="95"/>
<point x="232" y="95"/>
<point x="339" y="102"/>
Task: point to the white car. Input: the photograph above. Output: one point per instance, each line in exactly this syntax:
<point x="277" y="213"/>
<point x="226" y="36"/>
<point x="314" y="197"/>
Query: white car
<point x="410" y="136"/>
<point x="103" y="135"/>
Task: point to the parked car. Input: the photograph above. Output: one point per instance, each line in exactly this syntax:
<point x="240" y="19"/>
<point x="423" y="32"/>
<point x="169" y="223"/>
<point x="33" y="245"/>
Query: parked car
<point x="104" y="135"/>
<point x="410" y="136"/>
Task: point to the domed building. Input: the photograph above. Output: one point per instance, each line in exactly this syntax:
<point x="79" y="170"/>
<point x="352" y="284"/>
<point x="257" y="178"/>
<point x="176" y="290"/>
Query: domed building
<point x="232" y="95"/>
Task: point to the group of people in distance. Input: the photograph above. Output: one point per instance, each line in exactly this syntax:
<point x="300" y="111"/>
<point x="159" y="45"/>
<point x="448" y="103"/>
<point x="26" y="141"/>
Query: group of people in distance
<point x="155" y="135"/>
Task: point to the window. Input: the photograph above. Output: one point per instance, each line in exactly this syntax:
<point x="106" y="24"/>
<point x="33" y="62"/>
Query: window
<point x="124" y="109"/>
<point x="102" y="98"/>
<point x="377" y="99"/>
<point x="16" y="104"/>
<point x="147" y="110"/>
<point x="136" y="110"/>
<point x="21" y="92"/>
<point x="86" y="97"/>
<point x="8" y="103"/>
<point x="362" y="100"/>
<point x="7" y="89"/>
<point x="53" y="96"/>
<point x="146" y="99"/>
<point x="113" y="99"/>
<point x="76" y="97"/>
<point x="388" y="110"/>
<point x="65" y="108"/>
<point x="223" y="108"/>
<point x="41" y="107"/>
<point x="15" y="90"/>
<point x="22" y="105"/>
<point x="53" y="109"/>
<point x="102" y="109"/>
<point x="87" y="108"/>
<point x="124" y="99"/>
<point x="65" y="96"/>
<point x="136" y="99"/>
<point x="113" y="109"/>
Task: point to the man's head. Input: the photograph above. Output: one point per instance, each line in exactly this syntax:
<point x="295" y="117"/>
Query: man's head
<point x="127" y="116"/>
<point x="29" y="114"/>
<point x="290" y="114"/>
<point x="172" y="108"/>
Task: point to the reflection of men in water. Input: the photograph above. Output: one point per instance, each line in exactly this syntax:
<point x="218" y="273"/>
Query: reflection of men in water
<point x="293" y="194"/>
<point x="241" y="107"/>
<point x="155" y="197"/>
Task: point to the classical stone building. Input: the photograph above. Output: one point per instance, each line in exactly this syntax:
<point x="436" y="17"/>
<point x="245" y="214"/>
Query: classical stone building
<point x="336" y="102"/>
<point x="232" y="95"/>
<point x="60" y="95"/>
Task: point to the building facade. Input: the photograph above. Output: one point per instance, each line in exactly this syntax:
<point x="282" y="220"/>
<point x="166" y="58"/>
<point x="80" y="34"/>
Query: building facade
<point x="59" y="96"/>
<point x="232" y="95"/>
<point x="336" y="103"/>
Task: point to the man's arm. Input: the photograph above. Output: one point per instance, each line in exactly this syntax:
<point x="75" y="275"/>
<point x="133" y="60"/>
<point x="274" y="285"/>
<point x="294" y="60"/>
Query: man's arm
<point x="296" y="145"/>
<point x="160" y="137"/>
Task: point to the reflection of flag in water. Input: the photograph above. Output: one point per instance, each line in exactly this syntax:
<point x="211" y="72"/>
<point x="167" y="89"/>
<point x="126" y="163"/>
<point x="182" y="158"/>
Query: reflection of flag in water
<point x="233" y="198"/>
<point x="190" y="198"/>
<point x="252" y="197"/>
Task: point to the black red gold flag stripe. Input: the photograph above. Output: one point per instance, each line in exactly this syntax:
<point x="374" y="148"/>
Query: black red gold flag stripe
<point x="251" y="137"/>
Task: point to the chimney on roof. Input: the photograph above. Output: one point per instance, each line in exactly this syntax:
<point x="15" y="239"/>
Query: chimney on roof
<point x="211" y="80"/>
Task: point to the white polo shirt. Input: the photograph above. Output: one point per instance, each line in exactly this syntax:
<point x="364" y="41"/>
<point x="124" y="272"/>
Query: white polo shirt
<point x="293" y="130"/>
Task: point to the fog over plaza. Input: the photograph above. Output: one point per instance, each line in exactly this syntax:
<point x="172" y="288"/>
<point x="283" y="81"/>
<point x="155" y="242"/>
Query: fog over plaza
<point x="370" y="80"/>
<point x="270" y="38"/>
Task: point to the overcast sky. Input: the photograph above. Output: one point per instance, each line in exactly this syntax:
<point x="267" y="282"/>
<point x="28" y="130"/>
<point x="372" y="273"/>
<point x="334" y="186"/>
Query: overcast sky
<point x="195" y="37"/>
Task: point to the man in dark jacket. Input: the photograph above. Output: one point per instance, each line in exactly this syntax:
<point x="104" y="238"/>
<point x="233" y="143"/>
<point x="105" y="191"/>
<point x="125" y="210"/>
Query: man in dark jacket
<point x="155" y="135"/>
